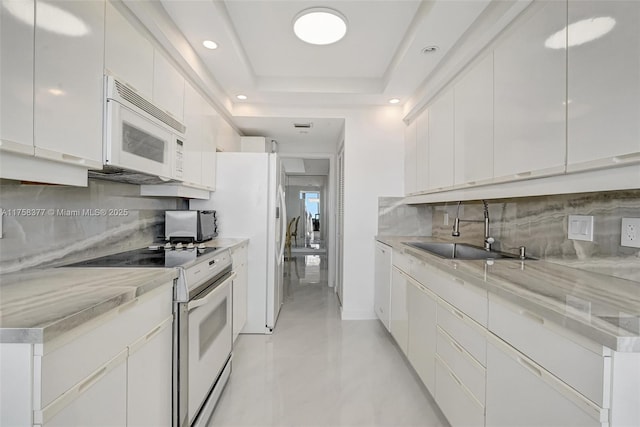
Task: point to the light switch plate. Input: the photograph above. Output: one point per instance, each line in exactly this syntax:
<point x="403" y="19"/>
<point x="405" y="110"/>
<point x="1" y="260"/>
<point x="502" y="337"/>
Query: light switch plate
<point x="580" y="227"/>
<point x="630" y="232"/>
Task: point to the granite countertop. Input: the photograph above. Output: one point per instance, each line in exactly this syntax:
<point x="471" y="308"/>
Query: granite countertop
<point x="225" y="242"/>
<point x="603" y="308"/>
<point x="37" y="306"/>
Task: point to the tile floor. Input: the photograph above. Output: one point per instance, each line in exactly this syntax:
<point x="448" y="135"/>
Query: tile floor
<point x="317" y="370"/>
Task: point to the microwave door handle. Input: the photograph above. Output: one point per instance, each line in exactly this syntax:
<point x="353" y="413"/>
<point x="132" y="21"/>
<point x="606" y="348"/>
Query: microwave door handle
<point x="205" y="299"/>
<point x="283" y="221"/>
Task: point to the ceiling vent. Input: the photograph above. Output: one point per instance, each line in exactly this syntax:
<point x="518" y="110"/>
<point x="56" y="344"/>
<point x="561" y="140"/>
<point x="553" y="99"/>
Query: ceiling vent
<point x="303" y="125"/>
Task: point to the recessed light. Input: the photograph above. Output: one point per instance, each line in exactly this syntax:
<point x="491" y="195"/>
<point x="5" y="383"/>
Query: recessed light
<point x="209" y="44"/>
<point x="241" y="97"/>
<point x="394" y="101"/>
<point x="430" y="49"/>
<point x="320" y="26"/>
<point x="581" y="32"/>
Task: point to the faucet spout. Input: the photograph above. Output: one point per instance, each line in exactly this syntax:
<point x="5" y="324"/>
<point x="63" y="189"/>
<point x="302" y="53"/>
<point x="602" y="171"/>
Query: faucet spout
<point x="488" y="240"/>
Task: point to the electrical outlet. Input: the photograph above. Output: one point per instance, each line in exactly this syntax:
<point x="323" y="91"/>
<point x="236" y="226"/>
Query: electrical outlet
<point x="630" y="232"/>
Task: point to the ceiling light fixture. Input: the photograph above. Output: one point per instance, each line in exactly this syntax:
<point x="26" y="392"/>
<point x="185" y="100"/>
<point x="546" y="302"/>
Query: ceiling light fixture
<point x="581" y="32"/>
<point x="394" y="101"/>
<point x="209" y="44"/>
<point x="430" y="49"/>
<point x="320" y="26"/>
<point x="241" y="97"/>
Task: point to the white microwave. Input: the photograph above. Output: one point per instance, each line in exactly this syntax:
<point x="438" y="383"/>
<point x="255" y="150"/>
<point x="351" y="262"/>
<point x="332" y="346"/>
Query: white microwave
<point x="139" y="136"/>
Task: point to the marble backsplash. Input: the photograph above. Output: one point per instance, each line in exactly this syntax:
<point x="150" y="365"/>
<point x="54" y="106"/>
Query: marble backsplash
<point x="397" y="219"/>
<point x="540" y="224"/>
<point x="49" y="225"/>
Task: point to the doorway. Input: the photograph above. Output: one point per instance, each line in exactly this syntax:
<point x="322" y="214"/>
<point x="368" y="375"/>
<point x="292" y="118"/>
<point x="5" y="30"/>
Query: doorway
<point x="311" y="209"/>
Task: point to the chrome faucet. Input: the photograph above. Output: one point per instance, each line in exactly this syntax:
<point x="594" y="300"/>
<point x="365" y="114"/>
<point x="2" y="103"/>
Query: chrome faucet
<point x="488" y="240"/>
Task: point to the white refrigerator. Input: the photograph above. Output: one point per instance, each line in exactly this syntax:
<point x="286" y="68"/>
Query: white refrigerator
<point x="250" y="203"/>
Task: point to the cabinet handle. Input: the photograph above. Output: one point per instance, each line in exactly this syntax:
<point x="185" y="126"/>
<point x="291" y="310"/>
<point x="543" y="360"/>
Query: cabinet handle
<point x="456" y="346"/>
<point x="153" y="333"/>
<point x="92" y="379"/>
<point x="455" y="379"/>
<point x="529" y="366"/>
<point x="457" y="313"/>
<point x="458" y="281"/>
<point x="523" y="174"/>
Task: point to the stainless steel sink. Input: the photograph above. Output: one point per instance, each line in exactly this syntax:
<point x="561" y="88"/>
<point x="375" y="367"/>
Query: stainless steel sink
<point x="460" y="251"/>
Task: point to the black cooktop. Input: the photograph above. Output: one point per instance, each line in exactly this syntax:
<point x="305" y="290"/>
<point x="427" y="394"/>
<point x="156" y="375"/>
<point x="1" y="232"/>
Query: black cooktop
<point x="147" y="258"/>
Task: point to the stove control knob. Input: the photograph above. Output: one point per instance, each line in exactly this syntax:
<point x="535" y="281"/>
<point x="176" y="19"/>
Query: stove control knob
<point x="190" y="245"/>
<point x="168" y="245"/>
<point x="178" y="245"/>
<point x="154" y="247"/>
<point x="201" y="246"/>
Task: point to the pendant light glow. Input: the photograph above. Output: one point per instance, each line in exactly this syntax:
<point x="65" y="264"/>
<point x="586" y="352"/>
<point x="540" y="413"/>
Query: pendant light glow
<point x="394" y="101"/>
<point x="320" y="26"/>
<point x="581" y="32"/>
<point x="241" y="97"/>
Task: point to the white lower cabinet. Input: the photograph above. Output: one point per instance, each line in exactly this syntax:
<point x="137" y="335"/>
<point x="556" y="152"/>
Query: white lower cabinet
<point x="421" y="351"/>
<point x="455" y="400"/>
<point x="521" y="392"/>
<point x="382" y="282"/>
<point x="99" y="400"/>
<point x="240" y="288"/>
<point x="398" y="321"/>
<point x="148" y="378"/>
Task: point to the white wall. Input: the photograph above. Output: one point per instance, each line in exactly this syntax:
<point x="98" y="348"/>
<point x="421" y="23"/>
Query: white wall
<point x="374" y="162"/>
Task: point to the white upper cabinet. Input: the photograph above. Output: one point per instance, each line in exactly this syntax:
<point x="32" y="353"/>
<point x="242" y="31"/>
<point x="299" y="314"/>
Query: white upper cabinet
<point x="69" y="63"/>
<point x="168" y="86"/>
<point x="16" y="75"/>
<point x="441" y="141"/>
<point x="604" y="85"/>
<point x="193" y="120"/>
<point x="422" y="151"/>
<point x="211" y="122"/>
<point x="128" y="54"/>
<point x="410" y="162"/>
<point x="530" y="95"/>
<point x="474" y="124"/>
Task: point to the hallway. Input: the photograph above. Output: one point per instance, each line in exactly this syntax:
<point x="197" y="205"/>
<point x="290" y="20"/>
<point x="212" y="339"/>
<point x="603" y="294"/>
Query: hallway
<point x="316" y="370"/>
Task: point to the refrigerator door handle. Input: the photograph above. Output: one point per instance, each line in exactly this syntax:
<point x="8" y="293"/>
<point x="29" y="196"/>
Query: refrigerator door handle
<point x="283" y="222"/>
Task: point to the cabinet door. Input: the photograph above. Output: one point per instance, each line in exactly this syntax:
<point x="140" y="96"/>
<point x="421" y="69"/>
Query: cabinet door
<point x="168" y="86"/>
<point x="69" y="64"/>
<point x="421" y="305"/>
<point x="422" y="151"/>
<point x="382" y="282"/>
<point x="410" y="161"/>
<point x="520" y="392"/>
<point x="209" y="146"/>
<point x="128" y="54"/>
<point x="604" y="85"/>
<point x="474" y="124"/>
<point x="240" y="289"/>
<point x="149" y="366"/>
<point x="193" y="120"/>
<point x="398" y="320"/>
<point x="16" y="75"/>
<point x="530" y="95"/>
<point x="100" y="400"/>
<point x="441" y="142"/>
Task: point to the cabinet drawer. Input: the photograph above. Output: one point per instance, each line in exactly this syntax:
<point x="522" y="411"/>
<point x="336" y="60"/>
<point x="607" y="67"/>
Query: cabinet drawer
<point x="402" y="261"/>
<point x="60" y="368"/>
<point x="463" y="365"/>
<point x="520" y="392"/>
<point x="455" y="400"/>
<point x="463" y="330"/>
<point x="466" y="297"/>
<point x="574" y="359"/>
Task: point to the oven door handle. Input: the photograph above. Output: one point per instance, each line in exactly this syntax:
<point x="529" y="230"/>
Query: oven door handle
<point x="205" y="299"/>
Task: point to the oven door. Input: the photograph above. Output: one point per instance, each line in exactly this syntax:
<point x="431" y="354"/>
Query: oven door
<point x="210" y="341"/>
